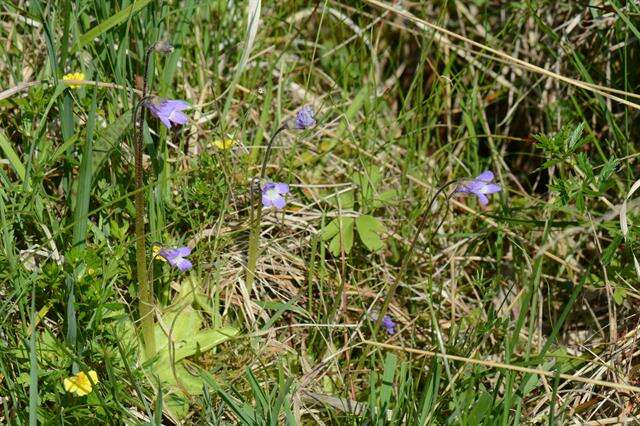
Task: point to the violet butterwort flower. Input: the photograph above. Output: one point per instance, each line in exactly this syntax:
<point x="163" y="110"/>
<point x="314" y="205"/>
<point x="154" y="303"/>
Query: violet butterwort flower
<point x="273" y="194"/>
<point x="480" y="187"/>
<point x="176" y="257"/>
<point x="305" y="118"/>
<point x="388" y="323"/>
<point x="169" y="111"/>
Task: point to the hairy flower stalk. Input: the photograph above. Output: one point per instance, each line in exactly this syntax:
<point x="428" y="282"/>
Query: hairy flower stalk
<point x="272" y="193"/>
<point x="145" y="298"/>
<point x="256" y="218"/>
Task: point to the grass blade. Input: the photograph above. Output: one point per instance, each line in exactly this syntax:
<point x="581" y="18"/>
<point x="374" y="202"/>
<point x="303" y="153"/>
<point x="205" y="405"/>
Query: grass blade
<point x="111" y="22"/>
<point x="33" y="363"/>
<point x="11" y="155"/>
<point x="84" y="180"/>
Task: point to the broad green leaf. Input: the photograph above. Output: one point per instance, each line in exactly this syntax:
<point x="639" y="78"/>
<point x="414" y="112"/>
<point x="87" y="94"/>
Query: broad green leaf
<point x="367" y="181"/>
<point x="204" y="340"/>
<point x="343" y="201"/>
<point x="178" y="327"/>
<point x="619" y="294"/>
<point x="385" y="198"/>
<point x="369" y="229"/>
<point x="334" y="226"/>
<point x="346" y="200"/>
<point x="330" y="230"/>
<point x="342" y="240"/>
<point x="182" y="377"/>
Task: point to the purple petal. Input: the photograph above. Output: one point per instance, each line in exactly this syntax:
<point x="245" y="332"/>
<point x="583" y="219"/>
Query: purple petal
<point x="475" y="185"/>
<point x="267" y="186"/>
<point x="491" y="188"/>
<point x="176" y="104"/>
<point x="168" y="253"/>
<point x="482" y="198"/>
<point x="486" y="176"/>
<point x="304" y="118"/>
<point x="279" y="203"/>
<point x="178" y="117"/>
<point x="388" y="323"/>
<point x="463" y="188"/>
<point x="183" y="251"/>
<point x="266" y="201"/>
<point x="165" y="120"/>
<point x="181" y="263"/>
<point x="282" y="188"/>
<point x="153" y="108"/>
<point x="470" y="186"/>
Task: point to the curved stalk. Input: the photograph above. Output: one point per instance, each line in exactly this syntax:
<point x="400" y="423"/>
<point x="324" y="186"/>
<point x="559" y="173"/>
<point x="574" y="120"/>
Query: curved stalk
<point x="256" y="217"/>
<point x="407" y="258"/>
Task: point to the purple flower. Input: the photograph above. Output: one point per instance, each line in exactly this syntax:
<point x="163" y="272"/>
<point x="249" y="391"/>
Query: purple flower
<point x="304" y="118"/>
<point x="176" y="257"/>
<point x="388" y="323"/>
<point x="273" y="194"/>
<point x="480" y="187"/>
<point x="169" y="111"/>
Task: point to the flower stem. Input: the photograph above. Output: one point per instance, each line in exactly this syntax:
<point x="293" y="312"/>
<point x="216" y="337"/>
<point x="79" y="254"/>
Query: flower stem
<point x="145" y="297"/>
<point x="256" y="217"/>
<point x="267" y="154"/>
<point x="407" y="257"/>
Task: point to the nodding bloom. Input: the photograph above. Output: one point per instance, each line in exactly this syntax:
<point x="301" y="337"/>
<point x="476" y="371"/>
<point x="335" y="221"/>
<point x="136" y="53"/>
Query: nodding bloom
<point x="80" y="383"/>
<point x="480" y="187"/>
<point x="169" y="111"/>
<point x="273" y="195"/>
<point x="175" y="257"/>
<point x="387" y="321"/>
<point x="304" y="118"/>
<point x="73" y="77"/>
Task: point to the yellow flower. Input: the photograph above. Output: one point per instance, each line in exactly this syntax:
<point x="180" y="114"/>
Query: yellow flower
<point x="223" y="143"/>
<point x="80" y="383"/>
<point x="155" y="249"/>
<point x="73" y="77"/>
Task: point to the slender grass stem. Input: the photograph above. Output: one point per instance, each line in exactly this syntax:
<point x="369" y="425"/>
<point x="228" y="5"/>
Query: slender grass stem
<point x="256" y="218"/>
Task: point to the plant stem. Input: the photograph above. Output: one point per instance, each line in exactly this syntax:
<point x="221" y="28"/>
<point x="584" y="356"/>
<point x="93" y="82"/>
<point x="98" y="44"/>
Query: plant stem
<point x="145" y="297"/>
<point x="408" y="255"/>
<point x="256" y="217"/>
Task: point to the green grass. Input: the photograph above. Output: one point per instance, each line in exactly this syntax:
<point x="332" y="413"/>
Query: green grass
<point x="523" y="312"/>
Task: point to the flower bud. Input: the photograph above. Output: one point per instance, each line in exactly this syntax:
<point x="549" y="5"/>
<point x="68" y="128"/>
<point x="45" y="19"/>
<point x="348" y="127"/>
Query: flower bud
<point x="163" y="47"/>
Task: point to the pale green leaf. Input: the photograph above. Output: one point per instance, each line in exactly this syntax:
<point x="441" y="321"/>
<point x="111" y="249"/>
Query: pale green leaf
<point x="369" y="229"/>
<point x="342" y="241"/>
